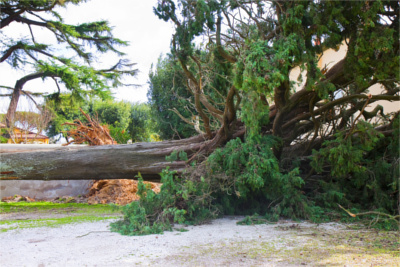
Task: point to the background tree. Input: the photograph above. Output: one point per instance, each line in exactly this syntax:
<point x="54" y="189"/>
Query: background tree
<point x="125" y="120"/>
<point x="169" y="100"/>
<point x="30" y="121"/>
<point x="142" y="127"/>
<point x="65" y="109"/>
<point x="27" y="121"/>
<point x="75" y="71"/>
<point x="116" y="115"/>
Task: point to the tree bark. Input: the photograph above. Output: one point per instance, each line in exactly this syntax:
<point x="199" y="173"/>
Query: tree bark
<point x="105" y="162"/>
<point x="95" y="162"/>
<point x="16" y="94"/>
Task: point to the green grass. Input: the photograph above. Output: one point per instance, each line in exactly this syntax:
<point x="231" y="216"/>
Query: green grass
<point x="56" y="214"/>
<point x="8" y="225"/>
<point x="14" y="207"/>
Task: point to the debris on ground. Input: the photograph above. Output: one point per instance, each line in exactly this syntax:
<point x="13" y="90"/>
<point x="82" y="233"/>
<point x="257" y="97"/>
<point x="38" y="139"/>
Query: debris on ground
<point x="70" y="199"/>
<point x="17" y="198"/>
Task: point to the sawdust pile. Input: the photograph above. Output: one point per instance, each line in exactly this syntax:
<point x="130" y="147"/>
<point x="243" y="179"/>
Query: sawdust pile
<point x="119" y="192"/>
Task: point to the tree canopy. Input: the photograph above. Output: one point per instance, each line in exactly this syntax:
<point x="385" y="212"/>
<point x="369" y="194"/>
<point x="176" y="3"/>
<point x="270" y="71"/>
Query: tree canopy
<point x="253" y="46"/>
<point x="69" y="63"/>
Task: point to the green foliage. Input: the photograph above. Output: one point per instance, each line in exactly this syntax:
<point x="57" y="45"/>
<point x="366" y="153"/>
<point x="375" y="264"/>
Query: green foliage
<point x="242" y="178"/>
<point x="117" y="115"/>
<point x="345" y="152"/>
<point x="75" y="74"/>
<point x="177" y="155"/>
<point x="168" y="92"/>
<point x="3" y="135"/>
<point x="65" y="107"/>
<point x="254" y="114"/>
<point x="112" y="113"/>
<point x="199" y="13"/>
<point x="142" y="126"/>
<point x="254" y="178"/>
<point x="121" y="136"/>
<point x="266" y="67"/>
<point x="362" y="167"/>
<point x="178" y="202"/>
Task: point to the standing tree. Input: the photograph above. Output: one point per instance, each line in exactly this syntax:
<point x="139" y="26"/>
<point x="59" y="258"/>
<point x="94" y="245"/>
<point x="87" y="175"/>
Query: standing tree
<point x="115" y="115"/>
<point x="30" y="121"/>
<point x="43" y="61"/>
<point x="142" y="127"/>
<point x="168" y="99"/>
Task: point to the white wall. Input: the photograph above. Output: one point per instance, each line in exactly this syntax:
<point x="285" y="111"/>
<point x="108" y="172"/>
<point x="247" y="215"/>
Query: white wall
<point x="44" y="189"/>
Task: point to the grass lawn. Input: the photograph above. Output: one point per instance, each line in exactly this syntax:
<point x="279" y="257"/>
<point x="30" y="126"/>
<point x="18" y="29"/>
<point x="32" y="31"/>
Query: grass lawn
<point x="17" y="215"/>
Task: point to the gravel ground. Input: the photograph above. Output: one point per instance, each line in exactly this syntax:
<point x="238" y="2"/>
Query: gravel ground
<point x="220" y="243"/>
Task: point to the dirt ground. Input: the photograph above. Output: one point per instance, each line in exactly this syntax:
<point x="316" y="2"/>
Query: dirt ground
<point x="220" y="243"/>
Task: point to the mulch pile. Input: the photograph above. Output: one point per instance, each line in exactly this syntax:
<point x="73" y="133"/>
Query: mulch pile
<point x="119" y="192"/>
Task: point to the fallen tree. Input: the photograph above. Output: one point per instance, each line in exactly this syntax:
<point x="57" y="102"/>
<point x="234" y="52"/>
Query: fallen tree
<point x="97" y="162"/>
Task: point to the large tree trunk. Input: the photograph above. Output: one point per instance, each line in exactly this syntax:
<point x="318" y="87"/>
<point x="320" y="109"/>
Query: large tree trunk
<point x="96" y="162"/>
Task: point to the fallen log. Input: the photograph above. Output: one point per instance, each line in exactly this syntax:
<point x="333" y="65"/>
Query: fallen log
<point x="96" y="162"/>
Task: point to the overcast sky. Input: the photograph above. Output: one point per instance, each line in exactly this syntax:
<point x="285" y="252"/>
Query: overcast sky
<point x="133" y="21"/>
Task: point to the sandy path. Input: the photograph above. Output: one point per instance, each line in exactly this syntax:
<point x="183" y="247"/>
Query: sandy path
<point x="220" y="243"/>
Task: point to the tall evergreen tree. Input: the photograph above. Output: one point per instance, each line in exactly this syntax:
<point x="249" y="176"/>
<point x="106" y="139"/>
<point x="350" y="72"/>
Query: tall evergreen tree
<point x="169" y="100"/>
<point x="44" y="61"/>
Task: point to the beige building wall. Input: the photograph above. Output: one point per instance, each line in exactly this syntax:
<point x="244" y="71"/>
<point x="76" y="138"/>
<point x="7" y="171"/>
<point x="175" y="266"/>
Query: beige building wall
<point x="327" y="60"/>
